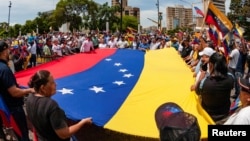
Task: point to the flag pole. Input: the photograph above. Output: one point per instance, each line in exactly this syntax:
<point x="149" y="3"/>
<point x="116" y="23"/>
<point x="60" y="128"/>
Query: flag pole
<point x="205" y="10"/>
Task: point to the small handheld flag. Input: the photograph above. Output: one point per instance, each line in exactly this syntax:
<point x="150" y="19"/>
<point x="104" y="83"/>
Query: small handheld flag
<point x="198" y="11"/>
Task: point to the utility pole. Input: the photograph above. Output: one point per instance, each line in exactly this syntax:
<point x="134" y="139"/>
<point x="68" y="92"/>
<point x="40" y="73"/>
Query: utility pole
<point x="121" y="16"/>
<point x="9" y="17"/>
<point x="158" y="13"/>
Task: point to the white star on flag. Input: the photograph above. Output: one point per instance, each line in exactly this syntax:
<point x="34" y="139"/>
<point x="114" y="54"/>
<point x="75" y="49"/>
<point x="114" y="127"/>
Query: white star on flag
<point x="117" y="64"/>
<point x="123" y="70"/>
<point x="128" y="75"/>
<point x="119" y="82"/>
<point x="66" y="91"/>
<point x="108" y="59"/>
<point x="97" y="89"/>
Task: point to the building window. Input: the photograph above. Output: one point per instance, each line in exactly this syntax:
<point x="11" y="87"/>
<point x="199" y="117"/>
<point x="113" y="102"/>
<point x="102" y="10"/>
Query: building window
<point x="126" y="12"/>
<point x="135" y="13"/>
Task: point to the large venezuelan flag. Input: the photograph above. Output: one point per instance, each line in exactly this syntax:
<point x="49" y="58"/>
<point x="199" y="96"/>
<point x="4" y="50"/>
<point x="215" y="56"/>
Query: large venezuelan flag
<point x="121" y="89"/>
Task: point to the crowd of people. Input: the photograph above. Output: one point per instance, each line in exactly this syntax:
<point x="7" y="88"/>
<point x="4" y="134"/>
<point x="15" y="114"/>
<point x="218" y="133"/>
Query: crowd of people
<point x="26" y="50"/>
<point x="220" y="75"/>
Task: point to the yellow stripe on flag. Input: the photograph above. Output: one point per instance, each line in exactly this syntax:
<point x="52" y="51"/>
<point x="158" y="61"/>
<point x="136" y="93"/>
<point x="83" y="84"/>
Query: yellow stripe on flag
<point x="165" y="78"/>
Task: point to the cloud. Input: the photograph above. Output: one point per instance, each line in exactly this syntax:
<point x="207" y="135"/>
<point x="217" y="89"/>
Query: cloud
<point x="22" y="10"/>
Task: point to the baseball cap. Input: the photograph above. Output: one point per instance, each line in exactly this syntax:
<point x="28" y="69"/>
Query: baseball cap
<point x="175" y="124"/>
<point x="245" y="84"/>
<point x="181" y="126"/>
<point x="164" y="111"/>
<point x="207" y="51"/>
<point x="3" y="46"/>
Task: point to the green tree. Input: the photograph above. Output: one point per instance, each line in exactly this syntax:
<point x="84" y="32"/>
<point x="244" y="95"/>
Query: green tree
<point x="73" y="12"/>
<point x="43" y="22"/>
<point x="106" y="14"/>
<point x="239" y="11"/>
<point x="129" y="21"/>
<point x="3" y="29"/>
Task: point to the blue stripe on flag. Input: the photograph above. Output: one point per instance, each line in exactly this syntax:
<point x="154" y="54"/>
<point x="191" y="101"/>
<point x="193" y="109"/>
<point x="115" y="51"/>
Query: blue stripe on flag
<point x="102" y="88"/>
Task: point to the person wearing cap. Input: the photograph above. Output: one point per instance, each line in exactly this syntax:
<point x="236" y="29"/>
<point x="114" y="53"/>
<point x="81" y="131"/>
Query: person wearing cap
<point x="12" y="95"/>
<point x="203" y="65"/>
<point x="198" y="47"/>
<point x="175" y="43"/>
<point x="176" y="125"/>
<point x="215" y="88"/>
<point x="193" y="57"/>
<point x="242" y="115"/>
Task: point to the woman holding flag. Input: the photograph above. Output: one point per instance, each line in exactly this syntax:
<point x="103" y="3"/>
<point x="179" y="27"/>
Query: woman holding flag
<point x="48" y="119"/>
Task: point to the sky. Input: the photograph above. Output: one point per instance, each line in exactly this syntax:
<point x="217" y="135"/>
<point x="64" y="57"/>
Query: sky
<point x="22" y="10"/>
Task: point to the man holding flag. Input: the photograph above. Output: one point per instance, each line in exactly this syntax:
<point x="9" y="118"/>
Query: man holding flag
<point x="12" y="96"/>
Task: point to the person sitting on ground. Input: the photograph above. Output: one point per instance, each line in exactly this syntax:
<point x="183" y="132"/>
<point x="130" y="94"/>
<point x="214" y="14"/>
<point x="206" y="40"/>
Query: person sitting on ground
<point x="47" y="118"/>
<point x="215" y="88"/>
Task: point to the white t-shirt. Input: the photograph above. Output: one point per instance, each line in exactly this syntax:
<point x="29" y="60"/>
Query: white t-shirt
<point x="57" y="49"/>
<point x="235" y="56"/>
<point x="241" y="117"/>
<point x="122" y="44"/>
<point x="112" y="44"/>
<point x="102" y="45"/>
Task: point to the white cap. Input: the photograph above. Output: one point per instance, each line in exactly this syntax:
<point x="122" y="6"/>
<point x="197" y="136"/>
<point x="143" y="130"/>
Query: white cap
<point x="207" y="51"/>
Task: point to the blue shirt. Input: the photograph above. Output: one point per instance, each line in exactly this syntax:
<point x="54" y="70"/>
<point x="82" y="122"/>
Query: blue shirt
<point x="144" y="45"/>
<point x="7" y="80"/>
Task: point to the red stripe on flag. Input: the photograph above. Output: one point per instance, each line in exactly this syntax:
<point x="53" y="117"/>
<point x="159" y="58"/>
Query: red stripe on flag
<point x="72" y="64"/>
